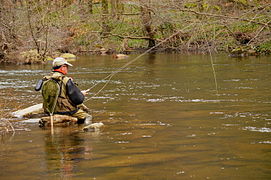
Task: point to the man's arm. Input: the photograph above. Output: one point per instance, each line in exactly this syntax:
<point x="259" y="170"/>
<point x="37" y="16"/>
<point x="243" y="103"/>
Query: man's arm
<point x="74" y="93"/>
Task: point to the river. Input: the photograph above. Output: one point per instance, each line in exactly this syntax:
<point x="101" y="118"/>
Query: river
<point x="165" y="117"/>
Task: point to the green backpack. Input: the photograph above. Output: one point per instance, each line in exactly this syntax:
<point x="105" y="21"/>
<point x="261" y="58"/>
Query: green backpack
<point x="50" y="93"/>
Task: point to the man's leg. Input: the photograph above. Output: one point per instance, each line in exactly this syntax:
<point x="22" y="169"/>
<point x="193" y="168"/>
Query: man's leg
<point x="83" y="117"/>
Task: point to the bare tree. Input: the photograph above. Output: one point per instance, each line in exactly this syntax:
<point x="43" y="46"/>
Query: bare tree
<point x="147" y="21"/>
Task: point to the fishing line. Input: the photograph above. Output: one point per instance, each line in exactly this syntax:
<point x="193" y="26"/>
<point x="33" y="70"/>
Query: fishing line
<point x="211" y="59"/>
<point x="110" y="76"/>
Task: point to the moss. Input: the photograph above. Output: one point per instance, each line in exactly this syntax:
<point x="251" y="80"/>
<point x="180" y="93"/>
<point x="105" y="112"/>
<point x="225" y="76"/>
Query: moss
<point x="264" y="48"/>
<point x="68" y="56"/>
<point x="190" y="5"/>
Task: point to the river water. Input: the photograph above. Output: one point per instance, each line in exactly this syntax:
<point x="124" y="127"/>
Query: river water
<point x="165" y="117"/>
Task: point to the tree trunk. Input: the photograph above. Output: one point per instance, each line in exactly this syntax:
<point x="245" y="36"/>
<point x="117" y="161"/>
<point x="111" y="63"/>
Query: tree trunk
<point x="105" y="27"/>
<point x="105" y="6"/>
<point x="90" y="6"/>
<point x="119" y="7"/>
<point x="147" y="23"/>
<point x="114" y="8"/>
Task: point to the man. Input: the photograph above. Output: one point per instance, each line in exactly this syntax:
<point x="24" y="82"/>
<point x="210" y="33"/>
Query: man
<point x="61" y="95"/>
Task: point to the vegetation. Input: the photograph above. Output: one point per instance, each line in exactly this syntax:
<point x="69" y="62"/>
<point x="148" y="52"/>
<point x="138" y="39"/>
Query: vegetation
<point x="49" y="27"/>
<point x="6" y="126"/>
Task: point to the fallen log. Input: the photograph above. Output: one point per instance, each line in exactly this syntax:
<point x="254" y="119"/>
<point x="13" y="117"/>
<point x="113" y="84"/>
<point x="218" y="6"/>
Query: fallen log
<point x="58" y="120"/>
<point x="29" y="112"/>
<point x="64" y="120"/>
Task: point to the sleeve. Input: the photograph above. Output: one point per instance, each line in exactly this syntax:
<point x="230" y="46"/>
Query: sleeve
<point x="74" y="93"/>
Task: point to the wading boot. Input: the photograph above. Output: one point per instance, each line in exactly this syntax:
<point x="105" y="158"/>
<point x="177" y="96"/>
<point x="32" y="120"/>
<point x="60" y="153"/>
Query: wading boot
<point x="87" y="123"/>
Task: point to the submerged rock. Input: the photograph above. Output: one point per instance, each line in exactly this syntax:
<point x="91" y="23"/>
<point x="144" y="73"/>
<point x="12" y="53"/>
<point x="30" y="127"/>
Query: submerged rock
<point x="243" y="51"/>
<point x="120" y="56"/>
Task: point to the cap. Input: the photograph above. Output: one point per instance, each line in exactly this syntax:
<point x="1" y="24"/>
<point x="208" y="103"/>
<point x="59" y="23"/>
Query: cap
<point x="59" y="61"/>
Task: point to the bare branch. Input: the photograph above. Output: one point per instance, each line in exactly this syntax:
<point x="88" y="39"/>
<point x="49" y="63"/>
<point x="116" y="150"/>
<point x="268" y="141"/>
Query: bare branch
<point x="130" y="37"/>
<point x="31" y="29"/>
<point x="258" y="33"/>
<point x="226" y="17"/>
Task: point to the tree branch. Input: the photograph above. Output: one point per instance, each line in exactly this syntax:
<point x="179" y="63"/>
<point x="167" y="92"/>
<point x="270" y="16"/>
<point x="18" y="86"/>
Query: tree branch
<point x="129" y="37"/>
<point x="31" y="28"/>
<point x="228" y="17"/>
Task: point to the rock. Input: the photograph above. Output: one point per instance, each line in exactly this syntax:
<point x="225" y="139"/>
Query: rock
<point x="68" y="56"/>
<point x="94" y="126"/>
<point x="251" y="52"/>
<point x="2" y="55"/>
<point x="103" y="51"/>
<point x="120" y="56"/>
<point x="30" y="57"/>
<point x="242" y="51"/>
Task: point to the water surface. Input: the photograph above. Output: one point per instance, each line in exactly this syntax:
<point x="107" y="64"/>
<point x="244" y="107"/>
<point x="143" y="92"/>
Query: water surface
<point x="165" y="118"/>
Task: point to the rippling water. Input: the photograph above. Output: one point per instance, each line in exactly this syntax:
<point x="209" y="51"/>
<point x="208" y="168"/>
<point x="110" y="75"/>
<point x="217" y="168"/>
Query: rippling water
<point x="163" y="116"/>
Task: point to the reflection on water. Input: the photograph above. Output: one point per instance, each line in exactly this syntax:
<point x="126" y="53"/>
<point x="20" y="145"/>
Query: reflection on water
<point x="63" y="151"/>
<point x="163" y="120"/>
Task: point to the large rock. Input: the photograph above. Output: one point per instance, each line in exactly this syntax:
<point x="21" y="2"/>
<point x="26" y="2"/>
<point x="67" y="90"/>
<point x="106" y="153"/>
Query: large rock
<point x="68" y="56"/>
<point x="31" y="57"/>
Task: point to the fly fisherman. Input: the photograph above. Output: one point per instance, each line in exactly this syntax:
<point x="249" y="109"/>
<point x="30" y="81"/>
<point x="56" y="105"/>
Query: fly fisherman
<point x="61" y="95"/>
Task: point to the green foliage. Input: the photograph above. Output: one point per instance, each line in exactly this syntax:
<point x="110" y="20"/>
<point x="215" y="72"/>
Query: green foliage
<point x="217" y="8"/>
<point x="190" y="5"/>
<point x="264" y="48"/>
<point x="137" y="43"/>
<point x="244" y="27"/>
<point x="243" y="2"/>
<point x="204" y="5"/>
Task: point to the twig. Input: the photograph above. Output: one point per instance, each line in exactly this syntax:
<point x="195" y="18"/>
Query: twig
<point x="258" y="33"/>
<point x="11" y="126"/>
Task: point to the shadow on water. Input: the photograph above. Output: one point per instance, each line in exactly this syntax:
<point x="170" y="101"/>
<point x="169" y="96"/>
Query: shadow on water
<point x="162" y="116"/>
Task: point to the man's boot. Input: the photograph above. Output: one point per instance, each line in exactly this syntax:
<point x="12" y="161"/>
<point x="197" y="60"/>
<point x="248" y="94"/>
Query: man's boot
<point x="88" y="120"/>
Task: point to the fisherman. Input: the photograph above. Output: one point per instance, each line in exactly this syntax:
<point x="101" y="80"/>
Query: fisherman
<point x="61" y="95"/>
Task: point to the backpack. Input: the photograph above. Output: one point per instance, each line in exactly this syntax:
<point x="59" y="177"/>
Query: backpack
<point x="50" y="92"/>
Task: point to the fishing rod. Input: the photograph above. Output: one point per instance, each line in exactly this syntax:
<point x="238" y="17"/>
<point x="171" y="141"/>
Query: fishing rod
<point x="110" y="76"/>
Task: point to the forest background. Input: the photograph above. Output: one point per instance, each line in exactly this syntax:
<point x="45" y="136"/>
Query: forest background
<point x="33" y="30"/>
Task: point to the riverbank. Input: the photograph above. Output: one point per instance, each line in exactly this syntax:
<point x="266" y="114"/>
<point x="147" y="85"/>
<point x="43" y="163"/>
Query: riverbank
<point x="239" y="28"/>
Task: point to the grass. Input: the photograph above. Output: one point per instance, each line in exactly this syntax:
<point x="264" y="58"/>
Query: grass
<point x="264" y="47"/>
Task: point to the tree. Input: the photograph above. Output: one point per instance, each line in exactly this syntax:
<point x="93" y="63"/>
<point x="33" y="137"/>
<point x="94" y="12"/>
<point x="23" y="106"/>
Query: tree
<point x="147" y="21"/>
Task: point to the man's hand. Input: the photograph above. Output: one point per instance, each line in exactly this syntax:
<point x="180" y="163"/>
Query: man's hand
<point x="85" y="92"/>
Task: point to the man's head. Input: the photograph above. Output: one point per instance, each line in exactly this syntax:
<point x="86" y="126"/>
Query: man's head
<point x="61" y="65"/>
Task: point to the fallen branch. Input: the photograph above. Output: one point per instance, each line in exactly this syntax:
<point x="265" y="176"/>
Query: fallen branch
<point x="258" y="33"/>
<point x="130" y="37"/>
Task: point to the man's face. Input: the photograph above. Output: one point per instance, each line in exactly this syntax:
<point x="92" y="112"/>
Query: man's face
<point x="64" y="69"/>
